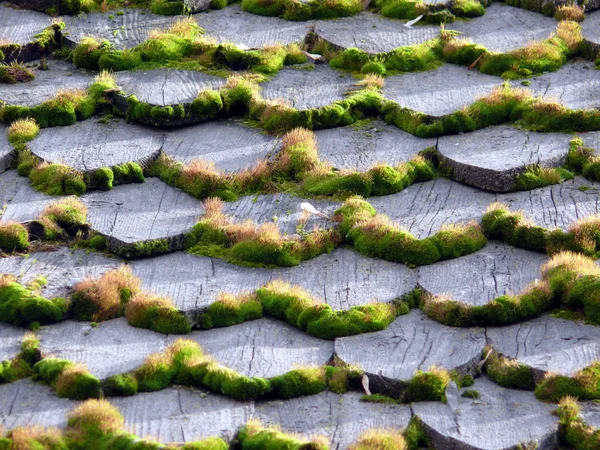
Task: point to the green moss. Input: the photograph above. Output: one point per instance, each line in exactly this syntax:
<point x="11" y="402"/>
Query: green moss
<point x="21" y="366"/>
<point x="80" y="385"/>
<point x="103" y="178"/>
<point x="49" y="369"/>
<point x="126" y="173"/>
<point x="57" y="179"/>
<point x="167" y="7"/>
<point x="120" y="385"/>
<point x="471" y="393"/>
<point x="20" y="306"/>
<point x="299" y="382"/>
<point x="13" y="237"/>
<point x="254" y="436"/>
<point x="207" y="105"/>
<point x="427" y="386"/>
<point x="88" y="52"/>
<point x="509" y="373"/>
<point x="378" y="398"/>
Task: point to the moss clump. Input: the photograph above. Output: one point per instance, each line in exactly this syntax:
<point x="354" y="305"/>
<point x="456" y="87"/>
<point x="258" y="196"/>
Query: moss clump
<point x="246" y="244"/>
<point x="375" y="235"/>
<point x="583" y="160"/>
<point x="583" y="385"/>
<point x="156" y="313"/>
<point x="508" y="373"/>
<point x="57" y="179"/>
<point x="378" y="439"/>
<point x="13" y="237"/>
<point x="573" y="431"/>
<point x="104" y="298"/>
<point x="20" y="306"/>
<point x="126" y="173"/>
<point x="22" y="130"/>
<point x="301" y="11"/>
<point x="21" y="365"/>
<point x="69" y="379"/>
<point x="120" y="385"/>
<point x="88" y="52"/>
<point x="254" y="436"/>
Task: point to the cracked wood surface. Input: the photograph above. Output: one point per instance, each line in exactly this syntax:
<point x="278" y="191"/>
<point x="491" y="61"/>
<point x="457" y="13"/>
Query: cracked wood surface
<point x="476" y="279"/>
<point x="228" y="144"/>
<point x="500" y="419"/>
<point x="342" y="279"/>
<point x="493" y="157"/>
<point x="372" y="33"/>
<point x="111" y="348"/>
<point x="19" y="26"/>
<point x="440" y="91"/>
<point x="305" y="89"/>
<point x="7" y="153"/>
<point x="140" y="212"/>
<point x="62" y="268"/>
<point x="424" y="208"/>
<point x="22" y="202"/>
<point x="362" y="147"/>
<point x="10" y="341"/>
<point x="576" y="85"/>
<point x="60" y="75"/>
<point x="165" y="87"/>
<point x="504" y="28"/>
<point x="263" y="348"/>
<point x="248" y="29"/>
<point x="412" y="342"/>
<point x="548" y="344"/>
<point x="122" y="31"/>
<point x="90" y="145"/>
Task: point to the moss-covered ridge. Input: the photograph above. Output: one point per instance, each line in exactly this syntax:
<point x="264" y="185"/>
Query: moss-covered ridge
<point x="21" y="365"/>
<point x="516" y="229"/>
<point x="184" y="363"/>
<point x="569" y="281"/>
<point x="48" y="40"/>
<point x="573" y="430"/>
<point x="98" y="424"/>
<point x="182" y="45"/>
<point x="510" y="373"/>
<point x="61" y="221"/>
<point x="93" y="424"/>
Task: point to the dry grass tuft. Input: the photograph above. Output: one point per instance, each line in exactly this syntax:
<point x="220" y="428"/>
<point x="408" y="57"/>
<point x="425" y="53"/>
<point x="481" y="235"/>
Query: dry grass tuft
<point x="99" y="414"/>
<point x="6" y="279"/>
<point x="570" y="33"/>
<point x="372" y="81"/>
<point x="571" y="261"/>
<point x="103" y="298"/>
<point x="380" y="439"/>
<point x="570" y="12"/>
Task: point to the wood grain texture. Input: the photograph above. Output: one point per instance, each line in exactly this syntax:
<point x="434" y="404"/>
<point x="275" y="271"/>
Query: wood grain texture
<point x="500" y="419"/>
<point x="139" y="212"/>
<point x="250" y="30"/>
<point x="412" y="342"/>
<point x="362" y="147"/>
<point x="476" y="279"/>
<point x="440" y="91"/>
<point x="111" y="348"/>
<point x="493" y="157"/>
<point x="165" y="87"/>
<point x="228" y="144"/>
<point x="548" y="344"/>
<point x="263" y="348"/>
<point x="504" y="28"/>
<point x="305" y="89"/>
<point x="372" y="33"/>
<point x="59" y="75"/>
<point x="90" y="145"/>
